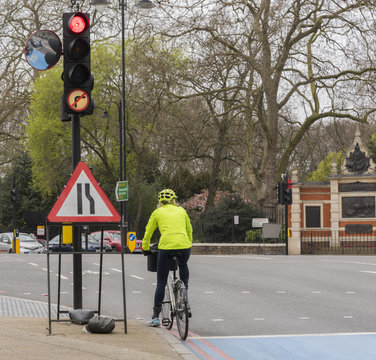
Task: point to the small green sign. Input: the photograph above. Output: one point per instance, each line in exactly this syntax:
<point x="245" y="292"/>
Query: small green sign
<point x="121" y="191"/>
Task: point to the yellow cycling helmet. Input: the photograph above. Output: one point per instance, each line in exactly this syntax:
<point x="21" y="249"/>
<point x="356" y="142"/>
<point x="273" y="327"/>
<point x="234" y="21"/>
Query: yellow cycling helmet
<point x="166" y="195"/>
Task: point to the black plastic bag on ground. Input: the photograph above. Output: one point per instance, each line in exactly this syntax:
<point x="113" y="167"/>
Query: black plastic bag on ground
<point x="81" y="316"/>
<point x="100" y="325"/>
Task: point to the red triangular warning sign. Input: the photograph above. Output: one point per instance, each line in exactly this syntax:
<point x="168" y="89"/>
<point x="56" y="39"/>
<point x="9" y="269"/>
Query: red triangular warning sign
<point x="83" y="200"/>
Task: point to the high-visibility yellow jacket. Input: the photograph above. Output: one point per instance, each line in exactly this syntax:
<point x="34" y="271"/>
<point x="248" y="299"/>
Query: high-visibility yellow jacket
<point x="174" y="225"/>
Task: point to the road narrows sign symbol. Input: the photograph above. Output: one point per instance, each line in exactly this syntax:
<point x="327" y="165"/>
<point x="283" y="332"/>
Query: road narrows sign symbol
<point x="83" y="200"/>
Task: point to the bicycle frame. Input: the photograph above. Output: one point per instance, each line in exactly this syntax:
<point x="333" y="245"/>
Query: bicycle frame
<point x="175" y="303"/>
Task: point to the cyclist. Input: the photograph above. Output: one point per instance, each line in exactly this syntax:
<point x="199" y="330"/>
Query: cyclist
<point x="176" y="234"/>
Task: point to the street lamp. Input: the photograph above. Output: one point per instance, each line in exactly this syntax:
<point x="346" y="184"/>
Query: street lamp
<point x="101" y="4"/>
<point x="143" y="4"/>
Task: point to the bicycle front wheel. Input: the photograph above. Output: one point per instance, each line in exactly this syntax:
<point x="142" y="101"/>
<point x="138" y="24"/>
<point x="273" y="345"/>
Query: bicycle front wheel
<point x="167" y="316"/>
<point x="181" y="310"/>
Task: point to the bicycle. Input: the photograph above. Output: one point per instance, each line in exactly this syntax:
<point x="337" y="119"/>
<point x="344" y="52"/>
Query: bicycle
<point x="175" y="303"/>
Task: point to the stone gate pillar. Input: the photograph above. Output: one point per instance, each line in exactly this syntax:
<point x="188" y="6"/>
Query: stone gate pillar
<point x="334" y="206"/>
<point x="294" y="240"/>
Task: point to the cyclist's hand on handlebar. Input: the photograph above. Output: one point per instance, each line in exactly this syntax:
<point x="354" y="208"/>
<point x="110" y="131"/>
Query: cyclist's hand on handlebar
<point x="146" y="252"/>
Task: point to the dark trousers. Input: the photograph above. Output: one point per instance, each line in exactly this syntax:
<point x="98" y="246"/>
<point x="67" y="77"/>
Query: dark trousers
<point x="164" y="264"/>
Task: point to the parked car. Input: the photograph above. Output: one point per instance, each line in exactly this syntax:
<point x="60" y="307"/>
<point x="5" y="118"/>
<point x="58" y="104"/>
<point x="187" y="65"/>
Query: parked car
<point x="112" y="237"/>
<point x="40" y="240"/>
<point x="27" y="244"/>
<point x="93" y="245"/>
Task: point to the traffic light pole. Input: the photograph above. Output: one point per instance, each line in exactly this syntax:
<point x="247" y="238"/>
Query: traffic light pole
<point x="77" y="258"/>
<point x="77" y="101"/>
<point x="286" y="228"/>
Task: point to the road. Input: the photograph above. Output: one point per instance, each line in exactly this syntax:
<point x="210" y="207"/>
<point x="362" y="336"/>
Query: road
<point x="230" y="296"/>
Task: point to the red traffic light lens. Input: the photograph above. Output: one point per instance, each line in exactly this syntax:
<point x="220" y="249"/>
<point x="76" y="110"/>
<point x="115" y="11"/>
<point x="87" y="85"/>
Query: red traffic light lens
<point x="78" y="24"/>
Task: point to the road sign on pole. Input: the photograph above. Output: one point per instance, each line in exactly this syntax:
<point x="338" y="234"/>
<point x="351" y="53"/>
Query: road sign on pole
<point x="131" y="241"/>
<point x="121" y="191"/>
<point x="83" y="200"/>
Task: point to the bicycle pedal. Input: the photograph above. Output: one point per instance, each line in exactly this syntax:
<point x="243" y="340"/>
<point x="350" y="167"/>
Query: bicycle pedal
<point x="166" y="322"/>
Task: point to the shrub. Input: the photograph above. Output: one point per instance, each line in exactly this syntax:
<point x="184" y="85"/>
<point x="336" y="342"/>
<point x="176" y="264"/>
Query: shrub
<point x="217" y="224"/>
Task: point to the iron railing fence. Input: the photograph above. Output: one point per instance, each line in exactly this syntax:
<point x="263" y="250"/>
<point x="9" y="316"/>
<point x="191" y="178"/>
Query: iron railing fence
<point x="233" y="228"/>
<point x="330" y="242"/>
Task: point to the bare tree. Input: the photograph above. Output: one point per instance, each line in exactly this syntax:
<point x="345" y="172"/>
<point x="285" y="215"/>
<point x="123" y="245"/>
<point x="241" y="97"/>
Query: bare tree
<point x="307" y="61"/>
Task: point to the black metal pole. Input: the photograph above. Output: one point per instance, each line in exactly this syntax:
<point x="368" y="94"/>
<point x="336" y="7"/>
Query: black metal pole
<point x="123" y="155"/>
<point x="119" y="105"/>
<point x="14" y="245"/>
<point x="286" y="228"/>
<point x="77" y="258"/>
<point x="48" y="281"/>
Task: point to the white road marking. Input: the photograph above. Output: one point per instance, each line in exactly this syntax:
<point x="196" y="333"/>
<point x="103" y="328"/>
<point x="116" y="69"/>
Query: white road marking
<point x="116" y="270"/>
<point x="350" y="262"/>
<point x="217" y="320"/>
<point x="259" y="319"/>
<point x="208" y="292"/>
<point x="95" y="272"/>
<point x="27" y="293"/>
<point x="350" y="292"/>
<point x="246" y="292"/>
<point x="348" y="317"/>
<point x="316" y="292"/>
<point x="281" y="292"/>
<point x="96" y="264"/>
<point x="137" y="277"/>
<point x="45" y="269"/>
<point x="62" y="277"/>
<point x="261" y="257"/>
<point x="136" y="292"/>
<point x="304" y="318"/>
<point x="33" y="264"/>
<point x="367" y="271"/>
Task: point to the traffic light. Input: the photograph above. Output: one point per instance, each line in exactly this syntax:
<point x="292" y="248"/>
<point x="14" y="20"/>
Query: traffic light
<point x="14" y="195"/>
<point x="284" y="192"/>
<point x="288" y="196"/>
<point x="77" y="76"/>
<point x="281" y="192"/>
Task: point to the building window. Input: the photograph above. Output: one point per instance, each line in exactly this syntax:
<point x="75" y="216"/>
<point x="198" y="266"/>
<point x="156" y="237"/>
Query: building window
<point x="313" y="216"/>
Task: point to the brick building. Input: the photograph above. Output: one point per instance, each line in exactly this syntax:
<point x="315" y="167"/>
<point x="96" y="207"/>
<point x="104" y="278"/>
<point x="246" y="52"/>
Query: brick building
<point x="337" y="215"/>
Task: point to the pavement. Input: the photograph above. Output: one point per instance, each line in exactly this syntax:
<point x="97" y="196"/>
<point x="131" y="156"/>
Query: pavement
<point x="24" y="334"/>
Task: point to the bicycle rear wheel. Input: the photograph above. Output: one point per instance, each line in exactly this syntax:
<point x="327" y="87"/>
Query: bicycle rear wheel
<point x="181" y="310"/>
<point x="167" y="314"/>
